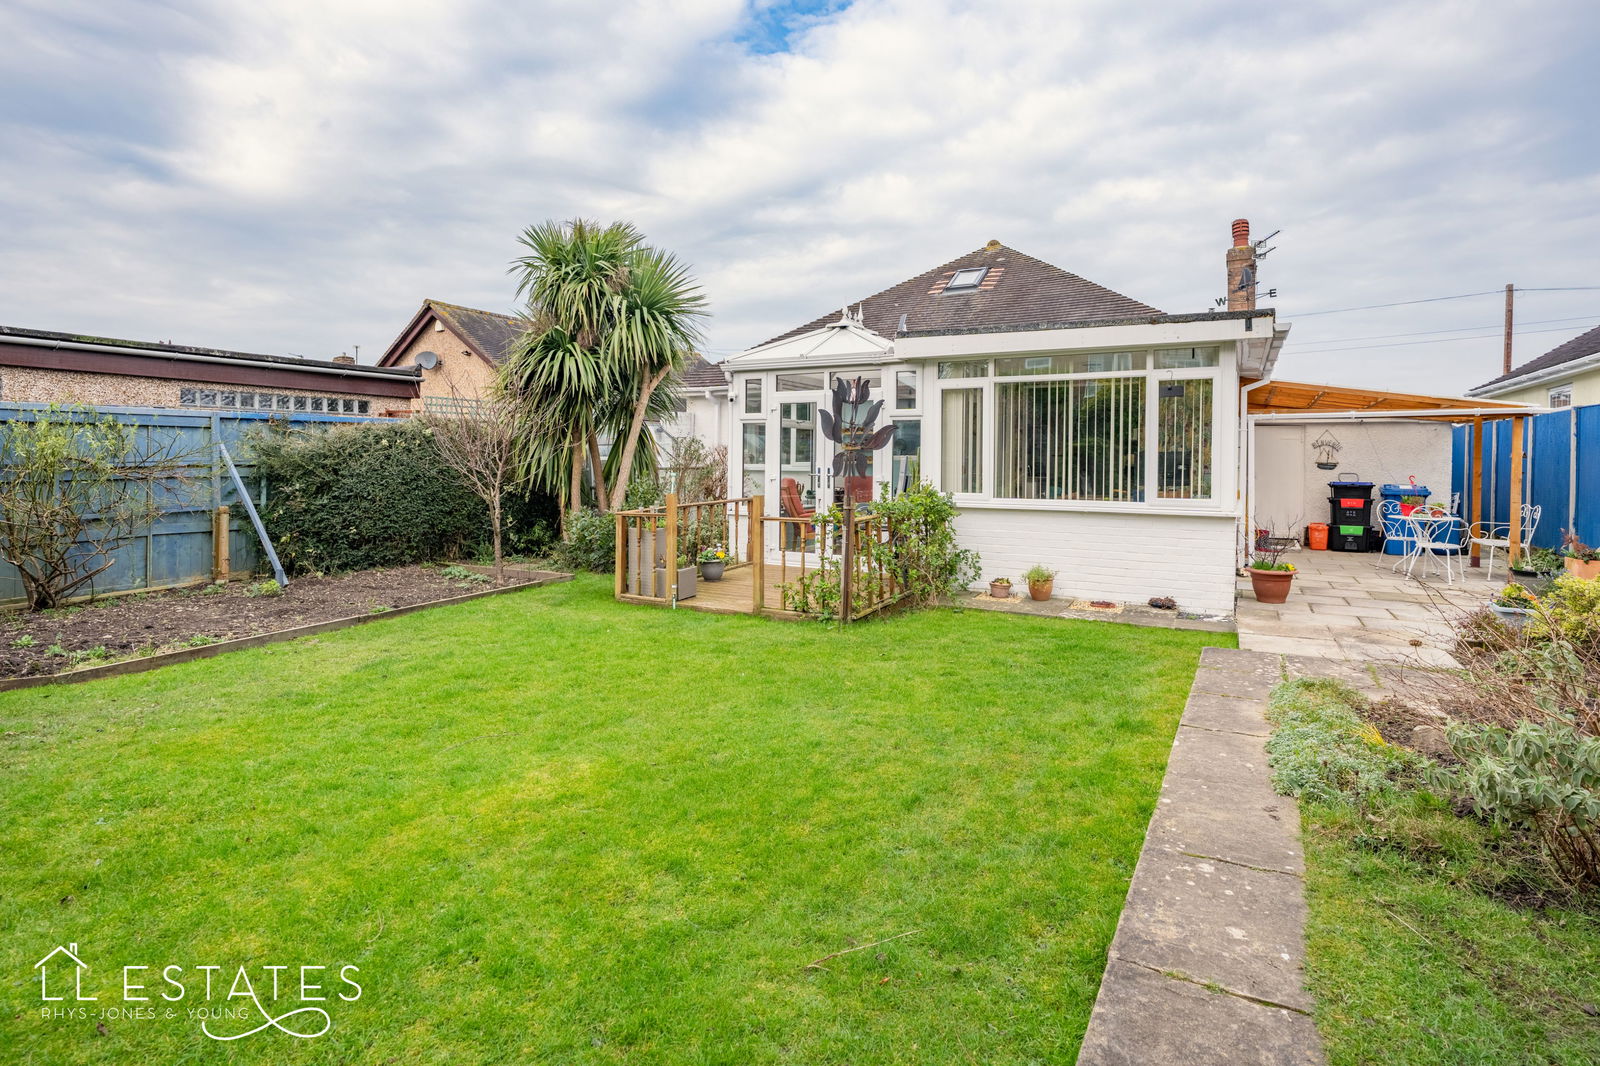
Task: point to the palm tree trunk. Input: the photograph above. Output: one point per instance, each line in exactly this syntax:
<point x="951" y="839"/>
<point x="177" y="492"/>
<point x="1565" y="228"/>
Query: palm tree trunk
<point x="599" y="471"/>
<point x="625" y="468"/>
<point x="575" y="487"/>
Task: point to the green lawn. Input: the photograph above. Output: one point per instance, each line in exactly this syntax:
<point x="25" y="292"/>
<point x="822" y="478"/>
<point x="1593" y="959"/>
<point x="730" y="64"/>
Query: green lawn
<point x="547" y="827"/>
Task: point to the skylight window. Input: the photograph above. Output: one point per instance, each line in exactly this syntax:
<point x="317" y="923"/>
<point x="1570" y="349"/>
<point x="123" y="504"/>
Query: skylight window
<point x="968" y="278"/>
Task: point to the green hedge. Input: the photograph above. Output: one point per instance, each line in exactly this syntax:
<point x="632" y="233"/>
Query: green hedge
<point x="352" y="497"/>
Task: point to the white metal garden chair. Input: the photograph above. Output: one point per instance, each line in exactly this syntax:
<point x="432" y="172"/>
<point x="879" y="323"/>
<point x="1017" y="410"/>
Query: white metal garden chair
<point x="1496" y="536"/>
<point x="1438" y="544"/>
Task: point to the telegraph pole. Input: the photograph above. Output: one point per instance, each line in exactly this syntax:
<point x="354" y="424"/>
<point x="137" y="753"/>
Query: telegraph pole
<point x="1507" y="369"/>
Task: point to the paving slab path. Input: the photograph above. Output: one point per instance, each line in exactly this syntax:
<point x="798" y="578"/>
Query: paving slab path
<point x="1207" y="962"/>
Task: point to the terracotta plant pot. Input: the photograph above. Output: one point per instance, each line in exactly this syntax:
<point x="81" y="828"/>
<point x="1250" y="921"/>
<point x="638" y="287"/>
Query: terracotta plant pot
<point x="1000" y="590"/>
<point x="1271" y="586"/>
<point x="1587" y="571"/>
<point x="1041" y="590"/>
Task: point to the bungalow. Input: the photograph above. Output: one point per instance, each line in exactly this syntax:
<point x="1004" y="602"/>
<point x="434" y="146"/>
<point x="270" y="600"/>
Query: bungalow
<point x="1076" y="427"/>
<point x="1568" y="375"/>
<point x="456" y="350"/>
<point x="39" y="366"/>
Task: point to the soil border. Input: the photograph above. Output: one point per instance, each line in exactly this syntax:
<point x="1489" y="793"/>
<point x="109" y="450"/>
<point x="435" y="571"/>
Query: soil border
<point x="171" y="658"/>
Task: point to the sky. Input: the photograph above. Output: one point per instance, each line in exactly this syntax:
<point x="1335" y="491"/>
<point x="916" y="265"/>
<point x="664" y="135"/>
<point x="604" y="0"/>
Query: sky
<point x="296" y="177"/>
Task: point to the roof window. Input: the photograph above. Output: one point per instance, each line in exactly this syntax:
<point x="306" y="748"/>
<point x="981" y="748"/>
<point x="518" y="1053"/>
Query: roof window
<point x="966" y="279"/>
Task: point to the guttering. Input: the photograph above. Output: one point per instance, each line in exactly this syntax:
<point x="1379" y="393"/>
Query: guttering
<point x="351" y="370"/>
<point x="1560" y="370"/>
<point x="1463" y="414"/>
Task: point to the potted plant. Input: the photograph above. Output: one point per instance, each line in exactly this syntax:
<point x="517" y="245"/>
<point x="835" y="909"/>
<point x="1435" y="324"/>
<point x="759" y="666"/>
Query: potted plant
<point x="1000" y="588"/>
<point x="1582" y="561"/>
<point x="1514" y="604"/>
<point x="713" y="561"/>
<point x="1544" y="562"/>
<point x="1270" y="575"/>
<point x="686" y="575"/>
<point x="1411" y="503"/>
<point x="1041" y="582"/>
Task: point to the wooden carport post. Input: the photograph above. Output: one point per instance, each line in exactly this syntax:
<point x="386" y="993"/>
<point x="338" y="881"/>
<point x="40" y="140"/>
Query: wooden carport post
<point x="1476" y="486"/>
<point x="1514" y="506"/>
<point x="671" y="561"/>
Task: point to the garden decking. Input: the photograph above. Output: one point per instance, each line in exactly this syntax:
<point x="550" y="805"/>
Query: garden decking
<point x="765" y="553"/>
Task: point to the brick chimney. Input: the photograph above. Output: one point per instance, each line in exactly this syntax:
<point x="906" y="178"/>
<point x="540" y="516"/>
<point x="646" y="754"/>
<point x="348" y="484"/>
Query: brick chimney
<point x="348" y="360"/>
<point x="1241" y="268"/>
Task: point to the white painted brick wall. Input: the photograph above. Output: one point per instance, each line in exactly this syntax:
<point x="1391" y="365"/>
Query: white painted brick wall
<point x="1123" y="557"/>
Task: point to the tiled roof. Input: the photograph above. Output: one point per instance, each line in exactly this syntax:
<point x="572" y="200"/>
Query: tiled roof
<point x="491" y="334"/>
<point x="1584" y="344"/>
<point x="700" y="374"/>
<point x="1018" y="291"/>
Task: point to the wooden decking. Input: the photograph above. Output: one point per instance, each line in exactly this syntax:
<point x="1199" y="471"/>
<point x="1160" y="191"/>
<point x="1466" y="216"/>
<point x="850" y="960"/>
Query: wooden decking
<point x="733" y="594"/>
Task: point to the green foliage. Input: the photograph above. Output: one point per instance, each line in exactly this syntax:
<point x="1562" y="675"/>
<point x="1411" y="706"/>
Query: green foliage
<point x="817" y="592"/>
<point x="1321" y="749"/>
<point x="922" y="551"/>
<point x="1542" y="776"/>
<point x="1544" y="561"/>
<point x="1038" y="574"/>
<point x="461" y="573"/>
<point x="269" y="587"/>
<point x="1571" y="613"/>
<point x="591" y="542"/>
<point x="24" y="641"/>
<point x="75" y="485"/>
<point x="1264" y="563"/>
<point x="1516" y="596"/>
<point x="355" y="497"/>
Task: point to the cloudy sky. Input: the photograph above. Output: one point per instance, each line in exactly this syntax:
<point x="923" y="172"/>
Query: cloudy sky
<point x="288" y="176"/>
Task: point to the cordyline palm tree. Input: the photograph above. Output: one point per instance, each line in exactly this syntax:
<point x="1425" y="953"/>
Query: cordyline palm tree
<point x="611" y="320"/>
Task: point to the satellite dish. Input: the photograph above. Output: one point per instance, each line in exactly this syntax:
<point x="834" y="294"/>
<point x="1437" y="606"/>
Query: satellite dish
<point x="427" y="360"/>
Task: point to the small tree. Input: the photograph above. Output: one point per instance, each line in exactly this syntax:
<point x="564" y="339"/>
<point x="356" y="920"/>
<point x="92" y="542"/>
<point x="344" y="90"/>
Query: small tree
<point x="75" y="486"/>
<point x="479" y="441"/>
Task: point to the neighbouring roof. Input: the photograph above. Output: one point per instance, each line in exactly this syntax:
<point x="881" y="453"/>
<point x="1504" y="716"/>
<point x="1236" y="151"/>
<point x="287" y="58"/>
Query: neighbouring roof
<point x="488" y="333"/>
<point x="1017" y="290"/>
<point x="703" y="374"/>
<point x="157" y="348"/>
<point x="1579" y="347"/>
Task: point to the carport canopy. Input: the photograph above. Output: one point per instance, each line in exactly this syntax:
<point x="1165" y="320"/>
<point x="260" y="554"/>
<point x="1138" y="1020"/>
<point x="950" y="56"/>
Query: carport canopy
<point x="1273" y="401"/>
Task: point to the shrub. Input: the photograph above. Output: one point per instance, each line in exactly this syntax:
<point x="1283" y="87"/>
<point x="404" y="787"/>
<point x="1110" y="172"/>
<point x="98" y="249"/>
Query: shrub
<point x="817" y="592"/>
<point x="268" y="587"/>
<point x="1542" y="776"/>
<point x="353" y="497"/>
<point x="1571" y="614"/>
<point x="922" y="552"/>
<point x="591" y="542"/>
<point x="1321" y="749"/>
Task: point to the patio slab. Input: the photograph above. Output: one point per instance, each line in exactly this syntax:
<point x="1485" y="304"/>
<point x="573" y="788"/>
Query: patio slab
<point x="1216" y="1028"/>
<point x="1207" y="962"/>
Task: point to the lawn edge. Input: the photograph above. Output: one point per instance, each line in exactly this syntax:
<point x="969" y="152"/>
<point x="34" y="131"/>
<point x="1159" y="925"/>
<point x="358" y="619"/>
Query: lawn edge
<point x="184" y="655"/>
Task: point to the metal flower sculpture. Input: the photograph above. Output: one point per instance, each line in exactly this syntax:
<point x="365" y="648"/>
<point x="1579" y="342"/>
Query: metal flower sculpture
<point x="849" y="425"/>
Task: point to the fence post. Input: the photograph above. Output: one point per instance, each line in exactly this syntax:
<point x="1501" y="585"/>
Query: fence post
<point x="1514" y="494"/>
<point x="671" y="561"/>
<point x="847" y="564"/>
<point x="219" y="544"/>
<point x="1475" y="444"/>
<point x="754" y="542"/>
<point x="621" y="553"/>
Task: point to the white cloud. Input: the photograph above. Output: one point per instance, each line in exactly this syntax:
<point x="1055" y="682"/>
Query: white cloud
<point x="296" y="177"/>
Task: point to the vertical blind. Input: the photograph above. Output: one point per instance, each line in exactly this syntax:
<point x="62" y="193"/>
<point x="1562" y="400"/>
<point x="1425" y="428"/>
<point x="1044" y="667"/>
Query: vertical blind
<point x="1184" y="439"/>
<point x="961" y="440"/>
<point x="1070" y="440"/>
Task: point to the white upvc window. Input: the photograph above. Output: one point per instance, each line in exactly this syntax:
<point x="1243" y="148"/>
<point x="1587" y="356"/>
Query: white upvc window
<point x="1560" y="395"/>
<point x="1130" y="429"/>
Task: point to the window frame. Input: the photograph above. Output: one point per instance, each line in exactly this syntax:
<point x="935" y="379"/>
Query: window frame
<point x="1224" y="440"/>
<point x="1562" y="392"/>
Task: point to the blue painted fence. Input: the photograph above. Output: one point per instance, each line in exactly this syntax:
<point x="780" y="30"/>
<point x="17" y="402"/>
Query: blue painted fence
<point x="177" y="548"/>
<point x="1561" y="472"/>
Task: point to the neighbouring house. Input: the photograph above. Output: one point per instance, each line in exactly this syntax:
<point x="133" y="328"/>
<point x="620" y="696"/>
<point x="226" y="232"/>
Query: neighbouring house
<point x="456" y="350"/>
<point x="1076" y="427"/>
<point x="39" y="366"/>
<point x="1568" y="375"/>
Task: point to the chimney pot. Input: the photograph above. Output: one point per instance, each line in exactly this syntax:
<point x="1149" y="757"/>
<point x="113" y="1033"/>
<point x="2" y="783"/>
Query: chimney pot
<point x="1241" y="232"/>
<point x="348" y="360"/>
